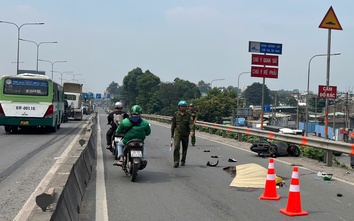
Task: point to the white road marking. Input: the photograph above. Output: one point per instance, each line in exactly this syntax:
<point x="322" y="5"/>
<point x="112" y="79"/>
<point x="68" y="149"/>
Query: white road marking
<point x="101" y="200"/>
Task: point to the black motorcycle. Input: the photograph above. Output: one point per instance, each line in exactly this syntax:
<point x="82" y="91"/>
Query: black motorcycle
<point x="268" y="149"/>
<point x="133" y="162"/>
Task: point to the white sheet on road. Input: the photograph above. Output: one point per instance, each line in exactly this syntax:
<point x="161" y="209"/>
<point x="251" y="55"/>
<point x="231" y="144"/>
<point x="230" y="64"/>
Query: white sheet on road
<point x="250" y="175"/>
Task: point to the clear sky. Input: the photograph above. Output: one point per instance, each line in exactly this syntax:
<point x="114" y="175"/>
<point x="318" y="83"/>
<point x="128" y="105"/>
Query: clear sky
<point x="191" y="39"/>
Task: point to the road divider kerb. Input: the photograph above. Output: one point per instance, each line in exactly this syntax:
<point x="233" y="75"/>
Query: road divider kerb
<point x="70" y="179"/>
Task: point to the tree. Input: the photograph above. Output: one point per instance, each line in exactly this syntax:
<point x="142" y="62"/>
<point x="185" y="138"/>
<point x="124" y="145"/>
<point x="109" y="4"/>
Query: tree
<point x="114" y="90"/>
<point x="285" y="98"/>
<point x="217" y="103"/>
<point x="170" y="93"/>
<point x="321" y="103"/>
<point x="253" y="94"/>
<point x="203" y="87"/>
<point x="130" y="84"/>
<point x="147" y="86"/>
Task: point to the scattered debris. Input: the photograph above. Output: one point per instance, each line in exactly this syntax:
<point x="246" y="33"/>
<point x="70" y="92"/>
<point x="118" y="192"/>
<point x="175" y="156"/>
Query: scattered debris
<point x="232" y="160"/>
<point x="206" y="151"/>
<point x="230" y="170"/>
<point x="325" y="176"/>
<point x="293" y="164"/>
<point x="82" y="142"/>
<point x="211" y="164"/>
<point x="279" y="181"/>
<point x="214" y="157"/>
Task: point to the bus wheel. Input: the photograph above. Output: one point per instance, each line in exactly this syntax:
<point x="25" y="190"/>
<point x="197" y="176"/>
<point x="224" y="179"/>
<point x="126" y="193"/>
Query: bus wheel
<point x="55" y="128"/>
<point x="14" y="129"/>
<point x="7" y="129"/>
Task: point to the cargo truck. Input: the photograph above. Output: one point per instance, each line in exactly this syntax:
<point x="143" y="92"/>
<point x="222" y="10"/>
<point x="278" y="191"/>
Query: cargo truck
<point x="73" y="94"/>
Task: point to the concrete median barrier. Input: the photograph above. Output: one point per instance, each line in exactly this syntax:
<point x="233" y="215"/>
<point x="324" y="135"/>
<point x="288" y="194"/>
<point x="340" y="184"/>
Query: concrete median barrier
<point x="71" y="179"/>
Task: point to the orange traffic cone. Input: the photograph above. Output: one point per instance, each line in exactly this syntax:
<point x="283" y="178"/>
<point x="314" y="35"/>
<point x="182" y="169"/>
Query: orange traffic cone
<point x="270" y="189"/>
<point x="293" y="207"/>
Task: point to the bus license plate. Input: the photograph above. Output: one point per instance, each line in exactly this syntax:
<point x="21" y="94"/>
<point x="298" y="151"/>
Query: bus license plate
<point x="24" y="122"/>
<point x="136" y="153"/>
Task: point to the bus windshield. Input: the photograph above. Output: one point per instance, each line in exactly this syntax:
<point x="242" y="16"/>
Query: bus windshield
<point x="31" y="87"/>
<point x="71" y="97"/>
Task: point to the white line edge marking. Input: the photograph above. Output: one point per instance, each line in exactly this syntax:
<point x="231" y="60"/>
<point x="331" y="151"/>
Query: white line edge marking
<point x="30" y="204"/>
<point x="101" y="200"/>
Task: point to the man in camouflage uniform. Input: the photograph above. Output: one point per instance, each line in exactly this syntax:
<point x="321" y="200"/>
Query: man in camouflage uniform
<point x="193" y="113"/>
<point x="181" y="129"/>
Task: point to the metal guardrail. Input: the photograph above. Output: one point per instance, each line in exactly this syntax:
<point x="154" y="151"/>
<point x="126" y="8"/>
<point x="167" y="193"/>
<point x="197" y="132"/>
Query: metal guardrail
<point x="322" y="143"/>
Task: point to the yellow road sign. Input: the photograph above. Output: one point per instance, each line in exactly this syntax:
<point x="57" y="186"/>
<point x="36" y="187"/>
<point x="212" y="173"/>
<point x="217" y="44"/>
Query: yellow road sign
<point x="330" y="21"/>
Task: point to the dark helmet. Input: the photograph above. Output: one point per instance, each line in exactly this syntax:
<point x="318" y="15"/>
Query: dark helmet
<point x="182" y="103"/>
<point x="191" y="105"/>
<point x="136" y="109"/>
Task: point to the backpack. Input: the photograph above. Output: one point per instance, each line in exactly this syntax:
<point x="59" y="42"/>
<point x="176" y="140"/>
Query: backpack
<point x="118" y="118"/>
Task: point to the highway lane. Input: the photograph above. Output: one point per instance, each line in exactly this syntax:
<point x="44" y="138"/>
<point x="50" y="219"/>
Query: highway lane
<point x="25" y="158"/>
<point x="199" y="192"/>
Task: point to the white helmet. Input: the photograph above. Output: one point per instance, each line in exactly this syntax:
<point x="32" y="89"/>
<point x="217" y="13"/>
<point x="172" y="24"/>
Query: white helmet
<point x="118" y="105"/>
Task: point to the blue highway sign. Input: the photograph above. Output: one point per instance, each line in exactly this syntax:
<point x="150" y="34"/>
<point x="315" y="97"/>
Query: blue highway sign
<point x="98" y="96"/>
<point x="264" y="47"/>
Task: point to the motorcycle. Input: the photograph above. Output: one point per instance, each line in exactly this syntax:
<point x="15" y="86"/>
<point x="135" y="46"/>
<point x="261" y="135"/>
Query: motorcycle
<point x="133" y="153"/>
<point x="114" y="141"/>
<point x="268" y="149"/>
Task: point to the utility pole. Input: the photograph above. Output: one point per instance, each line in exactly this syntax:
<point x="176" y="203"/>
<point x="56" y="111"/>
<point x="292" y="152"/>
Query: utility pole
<point x="297" y="111"/>
<point x="275" y="108"/>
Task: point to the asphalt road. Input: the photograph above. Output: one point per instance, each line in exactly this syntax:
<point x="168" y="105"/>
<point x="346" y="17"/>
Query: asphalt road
<point x="198" y="192"/>
<point x="25" y="158"/>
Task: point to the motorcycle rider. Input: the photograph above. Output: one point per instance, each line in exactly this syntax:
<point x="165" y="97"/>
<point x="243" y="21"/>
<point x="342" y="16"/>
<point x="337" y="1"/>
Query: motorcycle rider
<point x="133" y="127"/>
<point x="114" y="118"/>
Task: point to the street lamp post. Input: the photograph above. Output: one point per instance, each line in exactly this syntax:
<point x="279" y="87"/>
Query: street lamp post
<point x="238" y="87"/>
<point x="18" y="38"/>
<point x="51" y="63"/>
<point x="61" y="75"/>
<point x="38" y="44"/>
<point x="74" y="76"/>
<point x="211" y="83"/>
<point x="308" y="89"/>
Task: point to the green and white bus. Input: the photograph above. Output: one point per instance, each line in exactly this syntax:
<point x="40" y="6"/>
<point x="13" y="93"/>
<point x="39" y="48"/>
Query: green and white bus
<point x="30" y="100"/>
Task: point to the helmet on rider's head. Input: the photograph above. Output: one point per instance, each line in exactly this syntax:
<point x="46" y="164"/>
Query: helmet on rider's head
<point x="136" y="109"/>
<point x="191" y="105"/>
<point x="118" y="105"/>
<point x="182" y="103"/>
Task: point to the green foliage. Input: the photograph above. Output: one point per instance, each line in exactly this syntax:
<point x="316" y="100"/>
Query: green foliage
<point x="169" y="94"/>
<point x="130" y="85"/>
<point x="253" y="94"/>
<point x="321" y="103"/>
<point x="249" y="138"/>
<point x="217" y="103"/>
<point x="312" y="153"/>
<point x="218" y="132"/>
<point x="115" y="91"/>
<point x="231" y="135"/>
<point x="147" y="86"/>
<point x="203" y="87"/>
<point x="285" y="98"/>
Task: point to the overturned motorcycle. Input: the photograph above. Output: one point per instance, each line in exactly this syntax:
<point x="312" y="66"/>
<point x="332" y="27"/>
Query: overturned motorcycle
<point x="133" y="158"/>
<point x="268" y="149"/>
